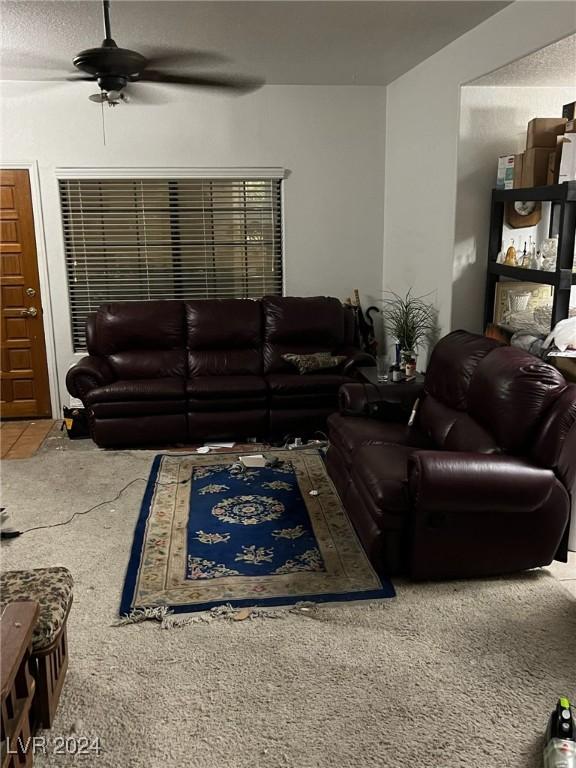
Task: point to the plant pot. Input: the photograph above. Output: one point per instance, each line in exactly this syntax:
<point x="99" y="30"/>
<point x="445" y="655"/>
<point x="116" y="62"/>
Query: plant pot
<point x="408" y="361"/>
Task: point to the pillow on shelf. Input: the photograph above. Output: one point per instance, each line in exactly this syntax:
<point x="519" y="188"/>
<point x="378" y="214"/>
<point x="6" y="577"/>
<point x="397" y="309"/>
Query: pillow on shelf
<point x="316" y="361"/>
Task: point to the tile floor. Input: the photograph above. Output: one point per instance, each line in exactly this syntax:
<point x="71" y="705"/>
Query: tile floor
<point x="21" y="439"/>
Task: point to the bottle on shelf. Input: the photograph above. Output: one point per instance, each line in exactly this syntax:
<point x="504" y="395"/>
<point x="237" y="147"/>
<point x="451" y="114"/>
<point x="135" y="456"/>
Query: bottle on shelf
<point x="532" y="253"/>
<point x="511" y="260"/>
<point x="539" y="260"/>
<point x="524" y="261"/>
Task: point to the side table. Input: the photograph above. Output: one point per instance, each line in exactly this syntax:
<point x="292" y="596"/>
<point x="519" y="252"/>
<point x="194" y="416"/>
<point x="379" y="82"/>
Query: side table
<point x="18" y="685"/>
<point x="392" y="400"/>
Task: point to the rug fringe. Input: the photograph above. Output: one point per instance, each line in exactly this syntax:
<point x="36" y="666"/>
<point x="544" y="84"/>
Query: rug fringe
<point x="169" y="620"/>
<point x="138" y="615"/>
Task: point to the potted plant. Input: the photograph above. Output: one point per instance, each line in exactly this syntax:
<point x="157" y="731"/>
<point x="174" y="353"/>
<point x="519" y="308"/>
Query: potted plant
<point x="410" y="320"/>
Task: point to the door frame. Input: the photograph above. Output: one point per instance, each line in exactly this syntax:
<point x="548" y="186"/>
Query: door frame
<point x="44" y="277"/>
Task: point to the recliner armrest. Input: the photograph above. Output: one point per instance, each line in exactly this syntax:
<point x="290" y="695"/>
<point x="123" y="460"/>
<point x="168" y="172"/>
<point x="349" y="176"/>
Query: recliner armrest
<point x="89" y="373"/>
<point x="446" y="481"/>
<point x="474" y="514"/>
<point x="385" y="402"/>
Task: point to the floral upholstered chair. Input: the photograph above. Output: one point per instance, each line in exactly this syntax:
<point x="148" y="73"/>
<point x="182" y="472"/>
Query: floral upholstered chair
<point x="51" y="588"/>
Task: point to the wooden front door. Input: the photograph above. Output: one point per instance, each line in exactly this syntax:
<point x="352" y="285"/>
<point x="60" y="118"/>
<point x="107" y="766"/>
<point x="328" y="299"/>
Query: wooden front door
<point x="23" y="371"/>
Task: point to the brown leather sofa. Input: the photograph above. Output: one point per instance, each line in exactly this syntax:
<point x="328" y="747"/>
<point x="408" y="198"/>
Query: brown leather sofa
<point x="481" y="484"/>
<point x="163" y="372"/>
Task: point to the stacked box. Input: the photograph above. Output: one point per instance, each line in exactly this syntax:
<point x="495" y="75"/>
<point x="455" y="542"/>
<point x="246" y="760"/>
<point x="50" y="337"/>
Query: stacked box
<point x="505" y="178"/>
<point x="567" y="169"/>
<point x="569" y="110"/>
<point x="541" y="159"/>
<point x="544" y="132"/>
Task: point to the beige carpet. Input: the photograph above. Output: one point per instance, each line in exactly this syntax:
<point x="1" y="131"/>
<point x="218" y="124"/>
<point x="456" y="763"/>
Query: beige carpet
<point x="444" y="676"/>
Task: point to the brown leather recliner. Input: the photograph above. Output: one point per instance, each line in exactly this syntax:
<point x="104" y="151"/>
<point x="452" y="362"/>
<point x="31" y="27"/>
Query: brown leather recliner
<point x="481" y="484"/>
<point x="162" y="372"/>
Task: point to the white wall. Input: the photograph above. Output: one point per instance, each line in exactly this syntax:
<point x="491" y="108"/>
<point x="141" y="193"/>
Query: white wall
<point x="331" y="139"/>
<point x="422" y="132"/>
<point x="492" y="122"/>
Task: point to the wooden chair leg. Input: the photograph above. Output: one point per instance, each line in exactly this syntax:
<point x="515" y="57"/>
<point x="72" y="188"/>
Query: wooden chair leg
<point x="49" y="669"/>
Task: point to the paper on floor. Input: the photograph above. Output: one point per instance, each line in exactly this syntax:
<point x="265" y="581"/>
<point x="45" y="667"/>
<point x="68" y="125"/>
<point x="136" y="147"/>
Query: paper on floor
<point x="219" y="445"/>
<point x="255" y="460"/>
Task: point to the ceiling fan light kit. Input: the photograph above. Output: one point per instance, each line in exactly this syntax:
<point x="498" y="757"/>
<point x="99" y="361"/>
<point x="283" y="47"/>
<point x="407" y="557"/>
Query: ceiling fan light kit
<point x="114" y="68"/>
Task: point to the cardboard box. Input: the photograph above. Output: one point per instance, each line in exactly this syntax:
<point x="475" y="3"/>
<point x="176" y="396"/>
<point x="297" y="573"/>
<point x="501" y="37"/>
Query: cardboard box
<point x="535" y="167"/>
<point x="551" y="168"/>
<point x="505" y="177"/>
<point x="567" y="170"/>
<point x="554" y="165"/>
<point x="542" y="131"/>
<point x="570" y="126"/>
<point x="569" y="111"/>
<point x="566" y="366"/>
<point x="518" y="162"/>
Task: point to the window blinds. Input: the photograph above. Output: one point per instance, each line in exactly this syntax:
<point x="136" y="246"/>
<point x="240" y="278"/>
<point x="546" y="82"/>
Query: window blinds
<point x="185" y="238"/>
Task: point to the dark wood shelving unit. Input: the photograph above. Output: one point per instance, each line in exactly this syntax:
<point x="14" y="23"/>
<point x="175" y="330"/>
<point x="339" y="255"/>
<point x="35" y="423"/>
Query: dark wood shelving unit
<point x="562" y="223"/>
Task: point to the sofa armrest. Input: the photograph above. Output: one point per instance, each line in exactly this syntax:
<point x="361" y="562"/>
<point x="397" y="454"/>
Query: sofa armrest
<point x="447" y="481"/>
<point x="355" y="358"/>
<point x="386" y="402"/>
<point x="473" y="514"/>
<point x="88" y="373"/>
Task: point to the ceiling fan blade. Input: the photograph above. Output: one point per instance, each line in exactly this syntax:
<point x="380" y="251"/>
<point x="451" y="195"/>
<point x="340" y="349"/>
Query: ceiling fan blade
<point x="227" y="82"/>
<point x="55" y="79"/>
<point x="82" y="79"/>
<point x="24" y="60"/>
<point x="160" y="56"/>
<point x="145" y="95"/>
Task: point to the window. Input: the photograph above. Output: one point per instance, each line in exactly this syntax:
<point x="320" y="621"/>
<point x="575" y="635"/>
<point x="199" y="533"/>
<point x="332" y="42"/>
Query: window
<point x="185" y="238"/>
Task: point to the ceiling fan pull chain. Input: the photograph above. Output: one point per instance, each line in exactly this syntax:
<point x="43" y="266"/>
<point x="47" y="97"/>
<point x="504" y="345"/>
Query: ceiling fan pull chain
<point x="103" y="124"/>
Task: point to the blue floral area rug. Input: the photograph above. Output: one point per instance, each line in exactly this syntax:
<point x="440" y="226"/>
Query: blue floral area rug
<point x="211" y="532"/>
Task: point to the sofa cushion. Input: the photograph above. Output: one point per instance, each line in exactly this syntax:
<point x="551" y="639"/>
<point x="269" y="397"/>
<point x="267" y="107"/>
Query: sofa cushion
<point x="467" y="435"/>
<point x="349" y="434"/>
<point x="224" y="362"/>
<point x="555" y="446"/>
<point x="285" y="384"/>
<point x="301" y="326"/>
<point x="380" y="474"/>
<point x="138" y="389"/>
<point x="224" y="337"/>
<point x="148" y="363"/>
<point x="436" y="419"/>
<point x="144" y="325"/>
<point x="510" y="392"/>
<point x="225" y="387"/>
<point x="51" y="588"/>
<point x="452" y="364"/>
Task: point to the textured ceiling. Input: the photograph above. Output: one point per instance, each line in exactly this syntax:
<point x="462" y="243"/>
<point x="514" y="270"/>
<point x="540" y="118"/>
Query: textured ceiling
<point x="554" y="65"/>
<point x="357" y="43"/>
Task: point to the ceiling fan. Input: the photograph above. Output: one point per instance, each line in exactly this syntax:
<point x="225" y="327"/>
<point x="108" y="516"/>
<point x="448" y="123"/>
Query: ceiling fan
<point x="114" y="69"/>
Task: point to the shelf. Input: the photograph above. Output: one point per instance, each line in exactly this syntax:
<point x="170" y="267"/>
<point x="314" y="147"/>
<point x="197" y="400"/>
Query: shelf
<point x="563" y="279"/>
<point x="563" y="210"/>
<point x="566" y="191"/>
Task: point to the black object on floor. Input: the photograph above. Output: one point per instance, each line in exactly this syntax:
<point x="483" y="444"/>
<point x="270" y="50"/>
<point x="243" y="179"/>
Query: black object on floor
<point x="76" y="423"/>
